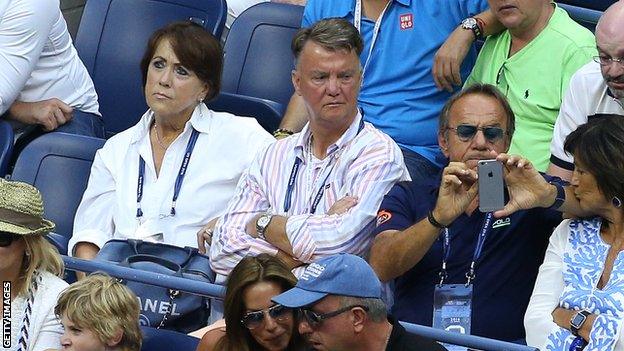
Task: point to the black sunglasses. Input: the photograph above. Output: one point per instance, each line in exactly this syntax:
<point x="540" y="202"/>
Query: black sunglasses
<point x="6" y="239"/>
<point x="466" y="132"/>
<point x="253" y="320"/>
<point x="315" y="319"/>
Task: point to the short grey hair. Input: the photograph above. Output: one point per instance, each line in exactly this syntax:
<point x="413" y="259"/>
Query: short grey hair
<point x="376" y="307"/>
<point x="333" y="34"/>
<point x="479" y="89"/>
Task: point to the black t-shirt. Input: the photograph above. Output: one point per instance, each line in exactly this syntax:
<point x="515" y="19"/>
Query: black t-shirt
<point x="401" y="340"/>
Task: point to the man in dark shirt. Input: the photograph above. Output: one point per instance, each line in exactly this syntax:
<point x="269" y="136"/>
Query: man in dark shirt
<point x="340" y="304"/>
<point x="475" y="124"/>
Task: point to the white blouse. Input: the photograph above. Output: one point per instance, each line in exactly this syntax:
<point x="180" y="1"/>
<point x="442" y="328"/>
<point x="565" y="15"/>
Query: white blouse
<point x="569" y="276"/>
<point x="225" y="147"/>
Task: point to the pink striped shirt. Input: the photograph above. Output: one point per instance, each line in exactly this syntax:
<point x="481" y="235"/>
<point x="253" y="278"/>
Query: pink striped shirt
<point x="365" y="165"/>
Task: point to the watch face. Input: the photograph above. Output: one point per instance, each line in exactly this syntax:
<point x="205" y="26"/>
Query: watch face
<point x="577" y="320"/>
<point x="469" y="23"/>
<point x="263" y="221"/>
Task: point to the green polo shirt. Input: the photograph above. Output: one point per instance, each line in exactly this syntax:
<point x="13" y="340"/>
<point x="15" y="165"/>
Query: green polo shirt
<point x="535" y="79"/>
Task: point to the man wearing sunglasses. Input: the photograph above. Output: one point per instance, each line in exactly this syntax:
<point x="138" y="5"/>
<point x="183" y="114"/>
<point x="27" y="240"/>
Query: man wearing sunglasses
<point x="428" y="232"/>
<point x="595" y="89"/>
<point x="340" y="308"/>
<point x="531" y="62"/>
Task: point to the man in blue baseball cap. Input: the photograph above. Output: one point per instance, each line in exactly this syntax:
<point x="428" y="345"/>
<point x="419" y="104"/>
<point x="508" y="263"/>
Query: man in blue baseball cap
<point x="341" y="309"/>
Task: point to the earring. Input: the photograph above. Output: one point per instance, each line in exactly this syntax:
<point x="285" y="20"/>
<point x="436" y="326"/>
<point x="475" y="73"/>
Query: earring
<point x="616" y="201"/>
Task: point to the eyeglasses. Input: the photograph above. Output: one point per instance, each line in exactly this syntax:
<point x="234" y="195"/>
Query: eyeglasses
<point x="314" y="319"/>
<point x="466" y="132"/>
<point x="607" y="61"/>
<point x="253" y="320"/>
<point x="6" y="239"/>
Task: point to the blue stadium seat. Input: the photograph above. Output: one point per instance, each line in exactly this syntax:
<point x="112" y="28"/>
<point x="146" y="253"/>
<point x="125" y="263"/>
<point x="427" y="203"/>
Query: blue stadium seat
<point x="588" y="18"/>
<point x="167" y="340"/>
<point x="599" y="5"/>
<point x="112" y="37"/>
<point x="258" y="60"/>
<point x="58" y="164"/>
<point x="6" y="146"/>
<point x="266" y="112"/>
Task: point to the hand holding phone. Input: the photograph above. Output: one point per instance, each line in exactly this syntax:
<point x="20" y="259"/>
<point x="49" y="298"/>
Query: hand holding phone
<point x="491" y="186"/>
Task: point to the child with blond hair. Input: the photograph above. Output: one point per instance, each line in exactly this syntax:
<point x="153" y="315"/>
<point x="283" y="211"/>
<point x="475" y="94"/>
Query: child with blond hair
<point x="98" y="313"/>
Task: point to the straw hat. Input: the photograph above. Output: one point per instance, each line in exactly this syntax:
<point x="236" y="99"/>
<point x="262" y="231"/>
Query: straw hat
<point x="21" y="209"/>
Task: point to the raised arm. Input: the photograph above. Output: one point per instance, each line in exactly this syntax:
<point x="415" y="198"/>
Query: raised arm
<point x="407" y="247"/>
<point x="448" y="59"/>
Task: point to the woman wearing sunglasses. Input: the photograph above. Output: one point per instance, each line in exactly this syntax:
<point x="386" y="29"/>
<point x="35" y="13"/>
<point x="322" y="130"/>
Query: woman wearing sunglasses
<point x="253" y="321"/>
<point x="30" y="268"/>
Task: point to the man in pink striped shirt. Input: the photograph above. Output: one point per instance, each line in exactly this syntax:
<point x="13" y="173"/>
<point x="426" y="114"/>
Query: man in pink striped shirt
<point x="315" y="193"/>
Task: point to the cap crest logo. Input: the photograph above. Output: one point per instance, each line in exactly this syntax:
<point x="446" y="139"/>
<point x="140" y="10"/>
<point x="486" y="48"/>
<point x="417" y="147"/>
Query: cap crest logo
<point x="313" y="271"/>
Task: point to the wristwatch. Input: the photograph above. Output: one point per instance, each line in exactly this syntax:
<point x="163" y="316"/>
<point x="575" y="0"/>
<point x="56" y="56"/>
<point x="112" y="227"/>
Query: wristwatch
<point x="472" y="24"/>
<point x="577" y="321"/>
<point x="262" y="223"/>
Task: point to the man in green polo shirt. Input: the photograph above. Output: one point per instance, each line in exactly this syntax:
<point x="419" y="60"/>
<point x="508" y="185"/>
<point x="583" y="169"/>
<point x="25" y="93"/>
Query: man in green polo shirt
<point x="531" y="63"/>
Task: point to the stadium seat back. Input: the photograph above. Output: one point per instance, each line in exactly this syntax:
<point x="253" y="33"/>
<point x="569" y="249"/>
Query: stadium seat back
<point x="599" y="5"/>
<point x="167" y="340"/>
<point x="112" y="38"/>
<point x="58" y="164"/>
<point x="587" y="17"/>
<point x="266" y="112"/>
<point x="258" y="60"/>
<point x="6" y="146"/>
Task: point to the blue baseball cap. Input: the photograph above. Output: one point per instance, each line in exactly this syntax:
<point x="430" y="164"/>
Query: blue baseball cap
<point x="343" y="274"/>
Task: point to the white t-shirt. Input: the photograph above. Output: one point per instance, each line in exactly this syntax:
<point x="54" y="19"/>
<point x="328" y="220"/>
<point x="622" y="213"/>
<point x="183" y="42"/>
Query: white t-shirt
<point x="587" y="96"/>
<point x="37" y="58"/>
<point x="225" y="147"/>
<point x="236" y="7"/>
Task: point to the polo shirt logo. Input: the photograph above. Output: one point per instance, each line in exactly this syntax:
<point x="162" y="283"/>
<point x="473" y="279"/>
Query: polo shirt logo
<point x="406" y="21"/>
<point x="383" y="216"/>
<point x="501" y="222"/>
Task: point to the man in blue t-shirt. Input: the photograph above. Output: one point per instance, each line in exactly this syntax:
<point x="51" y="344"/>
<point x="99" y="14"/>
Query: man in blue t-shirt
<point x="399" y="94"/>
<point x="475" y="124"/>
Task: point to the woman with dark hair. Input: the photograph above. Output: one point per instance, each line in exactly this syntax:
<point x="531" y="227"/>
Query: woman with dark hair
<point x="578" y="299"/>
<point x="253" y="321"/>
<point x="166" y="177"/>
<point x="30" y="269"/>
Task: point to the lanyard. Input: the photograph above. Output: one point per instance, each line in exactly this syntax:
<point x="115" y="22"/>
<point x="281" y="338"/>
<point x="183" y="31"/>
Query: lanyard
<point x="446" y="250"/>
<point x="578" y="344"/>
<point x="293" y="177"/>
<point x="179" y="179"/>
<point x="357" y="21"/>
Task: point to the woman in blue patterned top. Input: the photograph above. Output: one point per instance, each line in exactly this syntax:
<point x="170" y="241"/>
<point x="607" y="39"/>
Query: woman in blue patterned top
<point x="578" y="300"/>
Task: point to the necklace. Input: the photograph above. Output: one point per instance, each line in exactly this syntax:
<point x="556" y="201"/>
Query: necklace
<point x="160" y="143"/>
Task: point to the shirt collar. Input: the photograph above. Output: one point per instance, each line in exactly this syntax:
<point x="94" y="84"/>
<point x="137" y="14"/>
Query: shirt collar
<point x="345" y="8"/>
<point x="347" y="136"/>
<point x="200" y="120"/>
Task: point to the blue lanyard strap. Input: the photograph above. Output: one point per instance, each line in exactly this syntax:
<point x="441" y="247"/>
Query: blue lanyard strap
<point x="446" y="250"/>
<point x="179" y="179"/>
<point x="578" y="344"/>
<point x="293" y="177"/>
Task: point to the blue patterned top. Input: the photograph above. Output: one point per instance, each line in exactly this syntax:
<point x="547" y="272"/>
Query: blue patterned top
<point x="583" y="262"/>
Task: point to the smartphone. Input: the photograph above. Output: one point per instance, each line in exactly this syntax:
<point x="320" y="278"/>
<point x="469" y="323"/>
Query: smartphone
<point x="491" y="192"/>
